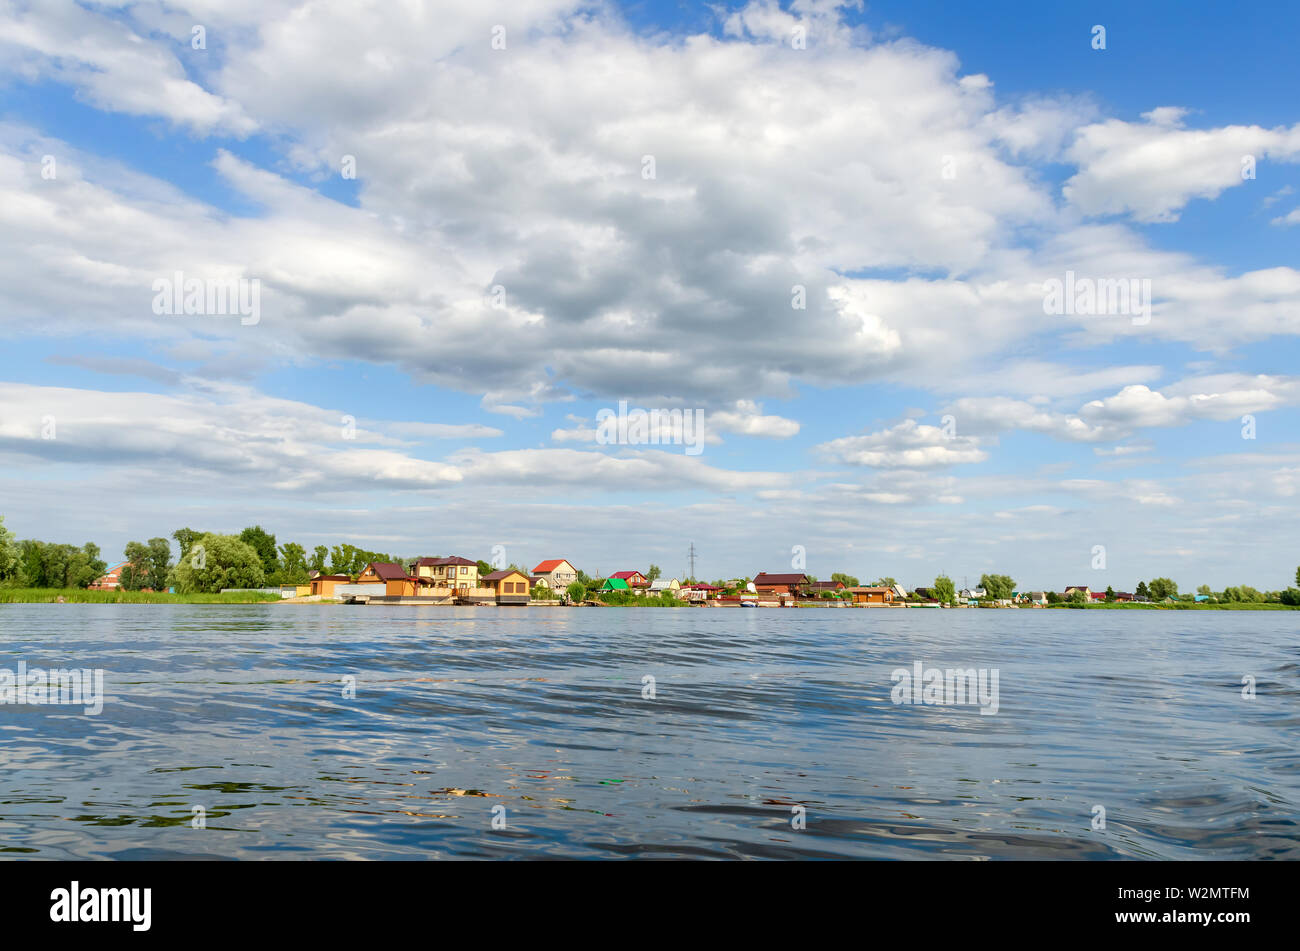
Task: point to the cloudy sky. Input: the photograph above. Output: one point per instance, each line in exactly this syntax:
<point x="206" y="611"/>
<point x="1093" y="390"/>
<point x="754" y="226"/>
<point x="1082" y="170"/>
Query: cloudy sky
<point x="831" y="229"/>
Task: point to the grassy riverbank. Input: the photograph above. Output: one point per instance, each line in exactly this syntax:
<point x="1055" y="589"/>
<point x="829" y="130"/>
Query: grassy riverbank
<point x="1182" y="606"/>
<point x="82" y="596"/>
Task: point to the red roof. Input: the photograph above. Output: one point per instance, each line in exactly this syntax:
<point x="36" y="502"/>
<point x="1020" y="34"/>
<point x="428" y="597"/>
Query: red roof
<point x="549" y="565"/>
<point x="625" y="575"/>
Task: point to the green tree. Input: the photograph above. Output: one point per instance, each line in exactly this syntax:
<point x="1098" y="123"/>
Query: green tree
<point x="84" y="567"/>
<point x="1110" y="593"/>
<point x="847" y="580"/>
<point x="1078" y="597"/>
<point x="577" y="591"/>
<point x="220" y="561"/>
<point x="885" y="583"/>
<point x="943" y="590"/>
<point x="1297" y="574"/>
<point x="653" y="573"/>
<point x="262" y="542"/>
<point x="159" y="560"/>
<point x="1142" y="591"/>
<point x="999" y="587"/>
<point x="319" y="557"/>
<point x="1205" y="590"/>
<point x="1053" y="597"/>
<point x="293" y="564"/>
<point x="185" y="538"/>
<point x="9" y="552"/>
<point x="483" y="568"/>
<point x="136" y="570"/>
<point x="1162" y="588"/>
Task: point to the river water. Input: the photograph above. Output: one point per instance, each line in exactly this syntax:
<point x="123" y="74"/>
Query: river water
<point x="534" y="732"/>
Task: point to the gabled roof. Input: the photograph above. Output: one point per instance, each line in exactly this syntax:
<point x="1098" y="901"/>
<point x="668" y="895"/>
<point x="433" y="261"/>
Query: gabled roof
<point x="764" y="578"/>
<point x="449" y="560"/>
<point x="550" y="565"/>
<point x="625" y="575"/>
<point x="827" y="585"/>
<point x="505" y="573"/>
<point x="615" y="584"/>
<point x="387" y="570"/>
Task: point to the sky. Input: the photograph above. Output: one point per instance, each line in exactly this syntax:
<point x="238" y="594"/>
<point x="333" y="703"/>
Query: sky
<point x="841" y="236"/>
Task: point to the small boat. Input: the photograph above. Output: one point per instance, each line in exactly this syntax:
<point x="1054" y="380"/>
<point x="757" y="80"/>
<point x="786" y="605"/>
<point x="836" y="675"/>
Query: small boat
<point x="749" y="604"/>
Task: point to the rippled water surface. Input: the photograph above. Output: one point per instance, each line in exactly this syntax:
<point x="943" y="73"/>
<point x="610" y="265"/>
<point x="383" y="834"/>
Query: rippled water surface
<point x="240" y="709"/>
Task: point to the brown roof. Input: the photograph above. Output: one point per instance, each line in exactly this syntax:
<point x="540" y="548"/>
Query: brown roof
<point x="503" y="573"/>
<point x="871" y="590"/>
<point x="764" y="578"/>
<point x="828" y="585"/>
<point x="387" y="570"/>
<point x="449" y="560"/>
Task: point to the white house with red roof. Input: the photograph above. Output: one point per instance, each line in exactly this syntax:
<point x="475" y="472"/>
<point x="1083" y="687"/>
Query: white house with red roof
<point x="556" y="573"/>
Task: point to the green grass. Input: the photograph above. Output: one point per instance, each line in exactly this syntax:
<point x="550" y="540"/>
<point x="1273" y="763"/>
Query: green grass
<point x="1183" y="606"/>
<point x="625" y="599"/>
<point x="81" y="596"/>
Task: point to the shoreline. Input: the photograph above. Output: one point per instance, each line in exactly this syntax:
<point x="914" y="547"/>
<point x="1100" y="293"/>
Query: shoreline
<point x="81" y="596"/>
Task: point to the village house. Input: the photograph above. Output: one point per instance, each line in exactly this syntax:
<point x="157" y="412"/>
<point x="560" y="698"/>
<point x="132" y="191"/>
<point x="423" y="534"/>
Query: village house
<point x="509" y="586"/>
<point x="614" y="584"/>
<point x="110" y="581"/>
<point x="396" y="582"/>
<point x="555" y="573"/>
<point x="698" y="592"/>
<point x="1078" y="587"/>
<point x="872" y="595"/>
<point x="449" y="572"/>
<point x="664" y="586"/>
<point x="323" y="585"/>
<point x="779" y="584"/>
<point x="834" y="587"/>
<point x="634" y="579"/>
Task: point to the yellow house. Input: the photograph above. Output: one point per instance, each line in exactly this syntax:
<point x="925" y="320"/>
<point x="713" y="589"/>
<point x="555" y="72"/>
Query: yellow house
<point x="511" y="586"/>
<point x="449" y="572"/>
<point x="324" y="584"/>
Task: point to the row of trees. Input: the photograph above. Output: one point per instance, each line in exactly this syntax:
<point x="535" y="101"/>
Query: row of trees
<point x="35" y="564"/>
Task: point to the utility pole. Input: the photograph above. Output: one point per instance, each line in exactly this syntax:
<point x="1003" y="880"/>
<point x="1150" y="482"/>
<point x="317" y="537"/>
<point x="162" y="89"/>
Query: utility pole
<point x="692" y="557"/>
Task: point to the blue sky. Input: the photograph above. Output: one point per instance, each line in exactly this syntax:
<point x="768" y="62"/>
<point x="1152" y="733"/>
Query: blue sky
<point x="921" y="170"/>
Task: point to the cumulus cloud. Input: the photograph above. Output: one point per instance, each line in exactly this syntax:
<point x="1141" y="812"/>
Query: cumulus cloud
<point x="908" y="445"/>
<point x="1151" y="169"/>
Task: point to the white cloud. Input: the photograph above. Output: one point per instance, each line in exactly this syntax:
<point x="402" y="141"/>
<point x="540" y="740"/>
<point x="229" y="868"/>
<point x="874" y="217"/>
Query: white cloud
<point x="908" y="445"/>
<point x="1151" y="169"/>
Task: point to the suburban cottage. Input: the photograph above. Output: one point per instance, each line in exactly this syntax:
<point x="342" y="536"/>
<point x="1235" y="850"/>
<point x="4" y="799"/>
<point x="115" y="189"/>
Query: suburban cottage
<point x="448" y="572"/>
<point x="555" y="573"/>
<point x="510" y="586"/>
<point x="780" y="584"/>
